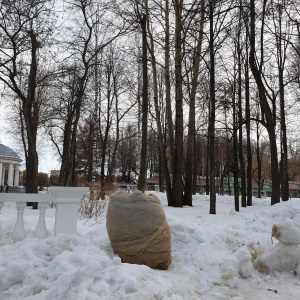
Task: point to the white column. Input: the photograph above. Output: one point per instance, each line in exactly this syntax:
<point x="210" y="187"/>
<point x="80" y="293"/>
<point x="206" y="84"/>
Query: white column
<point x="17" y="173"/>
<point x="3" y="175"/>
<point x="1" y="169"/>
<point x="10" y="175"/>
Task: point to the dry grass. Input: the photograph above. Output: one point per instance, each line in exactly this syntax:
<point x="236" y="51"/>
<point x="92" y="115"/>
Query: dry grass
<point x="94" y="203"/>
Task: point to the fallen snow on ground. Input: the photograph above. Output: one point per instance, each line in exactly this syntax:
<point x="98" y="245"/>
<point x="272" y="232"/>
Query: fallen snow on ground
<point x="211" y="257"/>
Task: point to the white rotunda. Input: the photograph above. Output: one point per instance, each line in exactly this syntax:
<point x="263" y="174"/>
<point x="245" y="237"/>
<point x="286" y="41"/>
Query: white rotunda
<point x="9" y="159"/>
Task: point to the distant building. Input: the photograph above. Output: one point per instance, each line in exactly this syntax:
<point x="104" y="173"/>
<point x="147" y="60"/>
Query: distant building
<point x="294" y="186"/>
<point x="9" y="159"/>
<point x="54" y="172"/>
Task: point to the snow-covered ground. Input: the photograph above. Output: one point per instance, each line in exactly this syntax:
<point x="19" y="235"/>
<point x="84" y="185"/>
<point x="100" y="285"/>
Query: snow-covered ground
<point x="209" y="255"/>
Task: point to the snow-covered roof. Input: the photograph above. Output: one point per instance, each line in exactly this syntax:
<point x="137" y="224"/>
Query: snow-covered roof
<point x="8" y="153"/>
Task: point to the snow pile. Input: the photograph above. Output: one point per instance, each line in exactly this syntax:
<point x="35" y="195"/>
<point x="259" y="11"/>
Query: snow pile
<point x="212" y="257"/>
<point x="285" y="255"/>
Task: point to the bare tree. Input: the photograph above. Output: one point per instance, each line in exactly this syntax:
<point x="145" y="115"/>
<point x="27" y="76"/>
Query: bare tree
<point x="282" y="36"/>
<point x="189" y="168"/>
<point x="257" y="68"/>
<point x="177" y="188"/>
<point x="143" y="160"/>
<point x="25" y="27"/>
<point x="83" y="49"/>
<point x="165" y="173"/>
<point x="217" y="24"/>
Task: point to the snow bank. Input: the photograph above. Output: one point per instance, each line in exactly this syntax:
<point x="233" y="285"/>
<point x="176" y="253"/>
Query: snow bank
<point x="211" y="257"/>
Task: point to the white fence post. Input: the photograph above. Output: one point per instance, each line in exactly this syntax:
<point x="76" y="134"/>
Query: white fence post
<point x="67" y="199"/>
<point x="41" y="231"/>
<point x="18" y="232"/>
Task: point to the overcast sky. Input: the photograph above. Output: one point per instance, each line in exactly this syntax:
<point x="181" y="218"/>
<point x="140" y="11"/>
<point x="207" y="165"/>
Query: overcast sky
<point x="47" y="156"/>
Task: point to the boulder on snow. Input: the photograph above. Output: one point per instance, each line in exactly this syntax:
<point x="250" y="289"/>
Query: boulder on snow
<point x="138" y="229"/>
<point x="285" y="255"/>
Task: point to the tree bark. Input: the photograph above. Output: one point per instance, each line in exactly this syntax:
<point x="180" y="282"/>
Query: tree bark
<point x="170" y="125"/>
<point x="143" y="162"/>
<point x="31" y="118"/>
<point x="212" y="117"/>
<point x="235" y="155"/>
<point x="248" y="132"/>
<point x="260" y="185"/>
<point x="284" y="159"/>
<point x="240" y="122"/>
<point x="189" y="164"/>
<point x="177" y="188"/>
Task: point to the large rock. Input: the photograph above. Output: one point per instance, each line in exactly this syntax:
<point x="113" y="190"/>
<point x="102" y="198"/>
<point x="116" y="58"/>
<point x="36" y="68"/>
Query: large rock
<point x="138" y="229"/>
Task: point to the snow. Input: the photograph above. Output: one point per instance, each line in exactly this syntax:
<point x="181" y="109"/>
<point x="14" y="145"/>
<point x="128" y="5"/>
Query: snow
<point x="212" y="257"/>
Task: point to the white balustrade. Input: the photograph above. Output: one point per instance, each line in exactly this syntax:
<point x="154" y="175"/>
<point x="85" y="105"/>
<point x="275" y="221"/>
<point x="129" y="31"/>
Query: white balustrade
<point x="41" y="231"/>
<point x="66" y="199"/>
<point x="19" y="232"/>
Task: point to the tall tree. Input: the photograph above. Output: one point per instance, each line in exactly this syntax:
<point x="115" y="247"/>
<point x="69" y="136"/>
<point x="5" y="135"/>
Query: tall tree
<point x="247" y="111"/>
<point x="143" y="160"/>
<point x="177" y="188"/>
<point x="25" y="27"/>
<point x="270" y="123"/>
<point x="235" y="146"/>
<point x="170" y="125"/>
<point x="82" y="51"/>
<point x="189" y="163"/>
<point x="282" y="36"/>
<point x="212" y="115"/>
<point x="240" y="114"/>
<point x="165" y="174"/>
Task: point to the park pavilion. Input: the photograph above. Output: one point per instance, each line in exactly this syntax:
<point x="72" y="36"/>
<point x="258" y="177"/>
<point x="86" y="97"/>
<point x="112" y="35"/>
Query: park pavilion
<point x="9" y="166"/>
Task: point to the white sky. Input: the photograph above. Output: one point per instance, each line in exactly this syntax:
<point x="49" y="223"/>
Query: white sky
<point x="209" y="254"/>
<point x="47" y="157"/>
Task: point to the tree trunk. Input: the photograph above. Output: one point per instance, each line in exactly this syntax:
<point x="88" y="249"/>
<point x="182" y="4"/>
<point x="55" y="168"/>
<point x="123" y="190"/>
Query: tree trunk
<point x="114" y="152"/>
<point x="240" y="122"/>
<point x="212" y="117"/>
<point x="104" y="151"/>
<point x="143" y="163"/>
<point x="65" y="159"/>
<point x="170" y="125"/>
<point x="284" y="159"/>
<point x="248" y="130"/>
<point x="207" y="164"/>
<point x="31" y="118"/>
<point x="284" y="164"/>
<point x="260" y="185"/>
<point x="235" y="156"/>
<point x="177" y="188"/>
<point x="270" y="123"/>
<point x="164" y="175"/>
<point x="189" y="165"/>
<point x="195" y="169"/>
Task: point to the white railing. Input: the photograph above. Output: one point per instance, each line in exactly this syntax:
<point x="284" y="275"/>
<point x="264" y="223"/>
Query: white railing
<point x="66" y="200"/>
